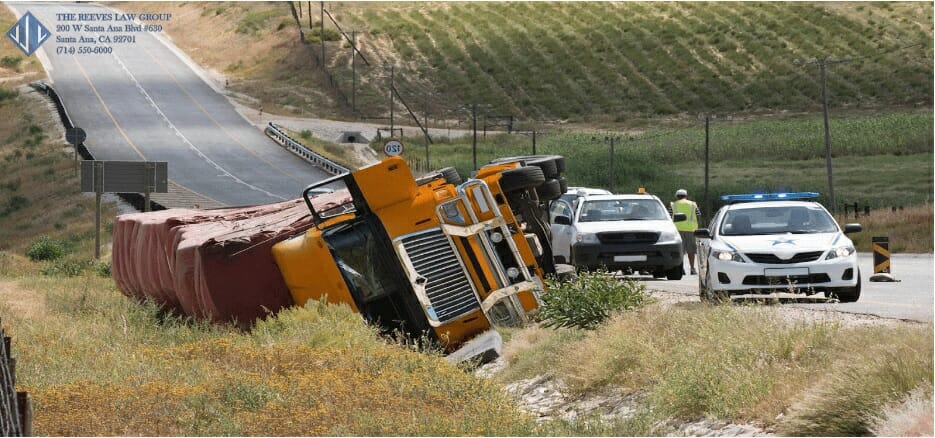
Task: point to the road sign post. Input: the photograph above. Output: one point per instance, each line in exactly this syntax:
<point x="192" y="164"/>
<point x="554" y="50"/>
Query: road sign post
<point x="121" y="177"/>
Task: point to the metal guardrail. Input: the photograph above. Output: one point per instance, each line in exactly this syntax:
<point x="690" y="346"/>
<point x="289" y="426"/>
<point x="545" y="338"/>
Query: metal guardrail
<point x="15" y="407"/>
<point x="297" y="148"/>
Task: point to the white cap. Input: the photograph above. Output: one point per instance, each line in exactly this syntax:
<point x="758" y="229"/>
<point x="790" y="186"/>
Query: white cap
<point x="681" y="192"/>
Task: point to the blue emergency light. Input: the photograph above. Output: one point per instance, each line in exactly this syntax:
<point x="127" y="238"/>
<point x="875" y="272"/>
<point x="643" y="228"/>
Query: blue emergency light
<point x="756" y="197"/>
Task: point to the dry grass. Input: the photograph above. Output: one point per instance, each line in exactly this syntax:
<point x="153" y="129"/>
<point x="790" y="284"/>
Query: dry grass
<point x="912" y="416"/>
<point x="310" y="371"/>
<point x="909" y="230"/>
<point x="739" y="363"/>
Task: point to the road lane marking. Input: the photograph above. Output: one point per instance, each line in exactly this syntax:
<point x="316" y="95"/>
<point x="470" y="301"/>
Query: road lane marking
<point x="107" y="109"/>
<point x="119" y="128"/>
<point x="218" y="124"/>
<point x="185" y="139"/>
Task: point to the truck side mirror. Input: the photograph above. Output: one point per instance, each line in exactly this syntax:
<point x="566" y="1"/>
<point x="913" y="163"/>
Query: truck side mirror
<point x="703" y="233"/>
<point x="562" y="220"/>
<point x="679" y="217"/>
<point x="852" y="228"/>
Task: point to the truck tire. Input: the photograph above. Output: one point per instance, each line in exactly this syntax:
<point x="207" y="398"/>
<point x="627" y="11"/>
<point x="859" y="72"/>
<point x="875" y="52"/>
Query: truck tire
<point x="548" y="163"/>
<point x="563" y="185"/>
<point x="521" y="178"/>
<point x="448" y="173"/>
<point x="549" y="190"/>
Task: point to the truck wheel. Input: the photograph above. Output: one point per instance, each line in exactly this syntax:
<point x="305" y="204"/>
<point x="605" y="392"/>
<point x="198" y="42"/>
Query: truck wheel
<point x="563" y="185"/>
<point x="550" y="190"/>
<point x="675" y="273"/>
<point x="450" y="174"/>
<point x="521" y="178"/>
<point x="548" y="163"/>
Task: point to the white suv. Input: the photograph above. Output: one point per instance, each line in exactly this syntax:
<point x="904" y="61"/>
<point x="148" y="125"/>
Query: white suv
<point x="618" y="232"/>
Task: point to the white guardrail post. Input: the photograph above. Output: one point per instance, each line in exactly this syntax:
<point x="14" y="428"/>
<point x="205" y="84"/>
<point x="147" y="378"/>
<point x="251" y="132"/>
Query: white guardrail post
<point x="297" y="148"/>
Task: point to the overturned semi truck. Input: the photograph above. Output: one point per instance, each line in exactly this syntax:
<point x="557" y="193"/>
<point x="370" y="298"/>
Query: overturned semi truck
<point x="428" y="257"/>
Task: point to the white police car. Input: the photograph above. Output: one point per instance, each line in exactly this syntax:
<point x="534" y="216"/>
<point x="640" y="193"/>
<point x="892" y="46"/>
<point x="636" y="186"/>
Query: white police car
<point x="778" y="242"/>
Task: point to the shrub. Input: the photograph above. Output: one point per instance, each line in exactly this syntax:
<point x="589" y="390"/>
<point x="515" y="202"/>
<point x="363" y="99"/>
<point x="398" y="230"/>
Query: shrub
<point x="103" y="269"/>
<point x="589" y="300"/>
<point x="45" y="248"/>
<point x="66" y="268"/>
<point x="306" y="134"/>
<point x="11" y="61"/>
<point x="17" y="202"/>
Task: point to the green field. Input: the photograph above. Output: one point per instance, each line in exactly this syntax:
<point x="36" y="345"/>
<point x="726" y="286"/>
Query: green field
<point x="878" y="160"/>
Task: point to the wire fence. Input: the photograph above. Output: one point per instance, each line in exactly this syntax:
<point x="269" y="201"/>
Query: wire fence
<point x="15" y="407"/>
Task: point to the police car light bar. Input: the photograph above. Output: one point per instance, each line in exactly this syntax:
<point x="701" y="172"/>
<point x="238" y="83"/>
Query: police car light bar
<point x="754" y="197"/>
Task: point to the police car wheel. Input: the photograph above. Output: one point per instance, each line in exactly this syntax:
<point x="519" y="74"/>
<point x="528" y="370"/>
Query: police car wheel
<point x="848" y="294"/>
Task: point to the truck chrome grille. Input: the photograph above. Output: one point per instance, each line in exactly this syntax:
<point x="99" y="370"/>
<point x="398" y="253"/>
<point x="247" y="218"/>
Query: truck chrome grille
<point x="447" y="285"/>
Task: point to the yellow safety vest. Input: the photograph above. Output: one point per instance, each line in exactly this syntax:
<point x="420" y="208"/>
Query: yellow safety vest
<point x="689" y="208"/>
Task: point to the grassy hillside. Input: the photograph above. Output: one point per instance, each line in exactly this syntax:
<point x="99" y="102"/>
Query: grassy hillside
<point x="580" y="61"/>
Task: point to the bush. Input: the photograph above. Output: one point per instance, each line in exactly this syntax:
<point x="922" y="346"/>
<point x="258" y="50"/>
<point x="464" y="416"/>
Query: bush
<point x="11" y="61"/>
<point x="66" y="268"/>
<point x="589" y="300"/>
<point x="306" y="134"/>
<point x="103" y="269"/>
<point x="45" y="248"/>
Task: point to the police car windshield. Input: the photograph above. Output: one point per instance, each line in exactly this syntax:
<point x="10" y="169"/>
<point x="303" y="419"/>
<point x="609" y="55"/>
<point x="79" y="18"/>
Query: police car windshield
<point x="777" y="220"/>
<point x="606" y="210"/>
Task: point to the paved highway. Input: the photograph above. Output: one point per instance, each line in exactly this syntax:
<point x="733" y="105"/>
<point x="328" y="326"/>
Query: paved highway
<point x="144" y="102"/>
<point x="912" y="298"/>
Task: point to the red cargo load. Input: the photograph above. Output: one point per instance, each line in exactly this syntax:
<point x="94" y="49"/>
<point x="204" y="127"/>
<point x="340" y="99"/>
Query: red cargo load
<point x="211" y="264"/>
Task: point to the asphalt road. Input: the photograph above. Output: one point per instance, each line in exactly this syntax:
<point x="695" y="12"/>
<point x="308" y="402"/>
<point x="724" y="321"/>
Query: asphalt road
<point x="912" y="298"/>
<point x="144" y="102"/>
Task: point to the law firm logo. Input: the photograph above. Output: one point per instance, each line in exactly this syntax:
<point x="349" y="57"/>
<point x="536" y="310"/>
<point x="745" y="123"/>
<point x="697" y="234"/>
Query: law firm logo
<point x="28" y="34"/>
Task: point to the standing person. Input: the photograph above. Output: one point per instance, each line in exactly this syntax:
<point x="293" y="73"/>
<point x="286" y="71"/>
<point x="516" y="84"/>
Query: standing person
<point x="687" y="227"/>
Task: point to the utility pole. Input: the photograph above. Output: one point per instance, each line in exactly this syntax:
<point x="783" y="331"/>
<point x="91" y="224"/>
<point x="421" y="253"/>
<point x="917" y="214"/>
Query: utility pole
<point x="823" y="62"/>
<point x="534" y="142"/>
<point x="611" y="163"/>
<point x="354" y="71"/>
<point x="425" y="108"/>
<point x="474" y="144"/>
<point x="707" y="119"/>
<point x="309" y="15"/>
<point x="392" y="87"/>
<point x="824" y="104"/>
<point x="321" y="33"/>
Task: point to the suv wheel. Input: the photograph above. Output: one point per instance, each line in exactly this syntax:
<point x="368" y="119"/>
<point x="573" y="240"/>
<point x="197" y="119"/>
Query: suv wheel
<point x="675" y="273"/>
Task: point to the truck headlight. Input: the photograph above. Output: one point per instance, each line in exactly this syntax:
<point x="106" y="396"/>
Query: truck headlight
<point x="728" y="256"/>
<point x="587" y="238"/>
<point x="496" y="237"/>
<point x="841" y="251"/>
<point x="512" y="273"/>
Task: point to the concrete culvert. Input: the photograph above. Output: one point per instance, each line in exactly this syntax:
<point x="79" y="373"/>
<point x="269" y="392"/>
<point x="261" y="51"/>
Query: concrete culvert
<point x="352" y="137"/>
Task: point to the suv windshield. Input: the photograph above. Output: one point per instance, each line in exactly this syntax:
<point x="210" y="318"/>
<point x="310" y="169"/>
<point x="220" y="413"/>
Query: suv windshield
<point x="622" y="210"/>
<point x="777" y="220"/>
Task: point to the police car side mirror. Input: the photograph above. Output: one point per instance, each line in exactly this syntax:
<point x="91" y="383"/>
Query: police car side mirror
<point x="562" y="220"/>
<point x="679" y="217"/>
<point x="852" y="228"/>
<point x="703" y="233"/>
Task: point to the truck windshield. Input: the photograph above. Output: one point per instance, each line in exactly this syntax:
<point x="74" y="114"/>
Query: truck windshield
<point x="362" y="261"/>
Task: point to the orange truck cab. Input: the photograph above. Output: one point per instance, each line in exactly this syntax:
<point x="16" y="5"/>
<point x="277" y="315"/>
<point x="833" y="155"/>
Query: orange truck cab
<point x="426" y="258"/>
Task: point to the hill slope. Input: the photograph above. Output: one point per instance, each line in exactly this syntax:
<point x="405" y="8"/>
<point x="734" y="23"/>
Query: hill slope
<point x="580" y="60"/>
